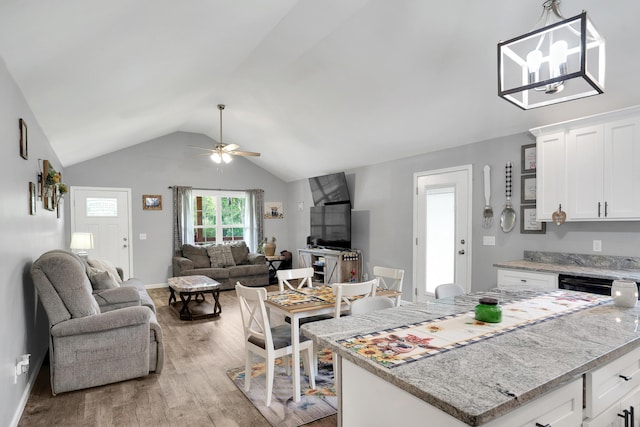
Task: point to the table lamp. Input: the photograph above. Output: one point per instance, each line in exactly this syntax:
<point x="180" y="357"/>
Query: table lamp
<point x="80" y="242"/>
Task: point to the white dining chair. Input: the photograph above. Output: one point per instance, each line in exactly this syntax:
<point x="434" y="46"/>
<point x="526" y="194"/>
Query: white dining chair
<point x="390" y="278"/>
<point x="366" y="305"/>
<point x="448" y="290"/>
<point x="263" y="340"/>
<point x="304" y="276"/>
<point x="346" y="292"/>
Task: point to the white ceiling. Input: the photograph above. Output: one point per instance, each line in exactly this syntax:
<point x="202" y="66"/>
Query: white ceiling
<point x="315" y="86"/>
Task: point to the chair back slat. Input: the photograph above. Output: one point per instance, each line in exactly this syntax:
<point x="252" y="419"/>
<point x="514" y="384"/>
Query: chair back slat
<point x="346" y="292"/>
<point x="304" y="276"/>
<point x="255" y="320"/>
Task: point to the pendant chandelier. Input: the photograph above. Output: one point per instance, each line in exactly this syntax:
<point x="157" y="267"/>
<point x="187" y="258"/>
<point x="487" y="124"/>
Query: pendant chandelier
<point x="559" y="60"/>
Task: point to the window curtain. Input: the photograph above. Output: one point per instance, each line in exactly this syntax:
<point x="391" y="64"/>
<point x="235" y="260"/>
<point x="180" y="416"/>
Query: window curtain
<point x="182" y="217"/>
<point x="253" y="220"/>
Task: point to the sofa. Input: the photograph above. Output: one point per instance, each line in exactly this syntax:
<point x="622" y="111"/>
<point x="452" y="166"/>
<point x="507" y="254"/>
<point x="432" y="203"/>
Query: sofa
<point x="99" y="330"/>
<point x="226" y="263"/>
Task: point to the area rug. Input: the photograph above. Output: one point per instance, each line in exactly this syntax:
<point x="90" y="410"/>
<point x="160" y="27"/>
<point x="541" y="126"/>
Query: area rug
<point x="314" y="403"/>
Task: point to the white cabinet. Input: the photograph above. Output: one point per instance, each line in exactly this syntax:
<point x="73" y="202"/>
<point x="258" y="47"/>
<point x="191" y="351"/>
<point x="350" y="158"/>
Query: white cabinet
<point x="611" y="384"/>
<point x="561" y="407"/>
<point x="332" y="266"/>
<point x="590" y="167"/>
<point x="603" y="175"/>
<point x="550" y="175"/>
<point x="509" y="279"/>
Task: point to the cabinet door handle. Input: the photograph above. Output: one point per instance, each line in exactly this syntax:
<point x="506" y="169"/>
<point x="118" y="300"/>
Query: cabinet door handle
<point x="626" y="378"/>
<point x="626" y="417"/>
<point x="598" y="209"/>
<point x="546" y="425"/>
<point x="523" y="280"/>
<point x="606" y="208"/>
<point x="632" y="415"/>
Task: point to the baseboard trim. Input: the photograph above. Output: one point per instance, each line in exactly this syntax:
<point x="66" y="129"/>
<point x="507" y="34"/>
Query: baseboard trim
<point x="27" y="391"/>
<point x="157" y="286"/>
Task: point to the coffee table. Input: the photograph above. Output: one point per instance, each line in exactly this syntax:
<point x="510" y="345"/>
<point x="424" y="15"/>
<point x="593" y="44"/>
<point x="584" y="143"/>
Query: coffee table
<point x="195" y="286"/>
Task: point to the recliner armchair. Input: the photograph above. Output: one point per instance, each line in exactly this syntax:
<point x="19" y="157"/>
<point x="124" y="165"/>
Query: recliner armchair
<point x="90" y="346"/>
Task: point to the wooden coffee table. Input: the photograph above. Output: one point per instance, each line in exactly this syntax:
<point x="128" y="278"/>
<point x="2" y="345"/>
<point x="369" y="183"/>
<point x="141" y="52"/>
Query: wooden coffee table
<point x="196" y="287"/>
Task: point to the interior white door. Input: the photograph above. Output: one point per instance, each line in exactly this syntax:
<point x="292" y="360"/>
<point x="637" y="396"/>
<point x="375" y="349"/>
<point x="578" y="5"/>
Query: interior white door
<point x="105" y="212"/>
<point x="442" y="227"/>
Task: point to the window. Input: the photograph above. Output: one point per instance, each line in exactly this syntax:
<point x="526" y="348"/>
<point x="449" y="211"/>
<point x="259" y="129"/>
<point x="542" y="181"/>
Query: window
<point x="218" y="216"/>
<point x="102" y="206"/>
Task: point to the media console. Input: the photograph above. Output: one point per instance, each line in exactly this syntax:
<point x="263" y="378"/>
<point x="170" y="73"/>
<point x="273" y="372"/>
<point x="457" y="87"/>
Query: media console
<point x="332" y="266"/>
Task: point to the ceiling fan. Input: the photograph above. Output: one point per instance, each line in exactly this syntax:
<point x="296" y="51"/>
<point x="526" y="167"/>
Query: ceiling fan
<point x="222" y="152"/>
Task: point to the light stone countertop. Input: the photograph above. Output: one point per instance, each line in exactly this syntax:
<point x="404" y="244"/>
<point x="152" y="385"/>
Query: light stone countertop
<point x="573" y="270"/>
<point x="465" y="382"/>
<point x="587" y="265"/>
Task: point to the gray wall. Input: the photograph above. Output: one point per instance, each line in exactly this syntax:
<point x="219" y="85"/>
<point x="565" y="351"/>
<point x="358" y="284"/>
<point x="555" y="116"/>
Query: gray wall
<point x="24" y="238"/>
<point x="382" y="219"/>
<point x="150" y="168"/>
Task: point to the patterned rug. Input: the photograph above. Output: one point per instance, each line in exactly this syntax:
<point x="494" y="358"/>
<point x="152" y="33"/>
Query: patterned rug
<point x="284" y="412"/>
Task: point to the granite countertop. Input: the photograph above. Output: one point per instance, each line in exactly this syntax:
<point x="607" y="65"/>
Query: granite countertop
<point x="469" y="382"/>
<point x="598" y="266"/>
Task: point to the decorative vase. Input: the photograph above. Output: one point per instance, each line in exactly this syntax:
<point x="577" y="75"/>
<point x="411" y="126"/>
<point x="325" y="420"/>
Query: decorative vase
<point x="269" y="249"/>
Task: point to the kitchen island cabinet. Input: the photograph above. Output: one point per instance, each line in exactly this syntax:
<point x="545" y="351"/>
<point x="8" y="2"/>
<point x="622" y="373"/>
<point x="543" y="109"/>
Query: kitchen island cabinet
<point x="528" y="373"/>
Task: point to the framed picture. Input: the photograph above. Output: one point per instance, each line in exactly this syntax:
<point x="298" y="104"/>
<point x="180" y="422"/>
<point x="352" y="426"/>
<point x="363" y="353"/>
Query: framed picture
<point x="32" y="198"/>
<point x="273" y="210"/>
<point x="528" y="223"/>
<point x="528" y="189"/>
<point x="24" y="146"/>
<point x="528" y="158"/>
<point x="152" y="202"/>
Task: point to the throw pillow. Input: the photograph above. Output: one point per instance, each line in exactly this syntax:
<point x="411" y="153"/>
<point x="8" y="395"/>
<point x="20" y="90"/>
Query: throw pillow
<point x="240" y="253"/>
<point x="220" y="256"/>
<point x="100" y="280"/>
<point x="197" y="254"/>
<point x="105" y="265"/>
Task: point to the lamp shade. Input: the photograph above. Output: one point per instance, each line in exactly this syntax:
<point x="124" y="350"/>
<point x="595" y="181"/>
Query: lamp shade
<point x="557" y="63"/>
<point x="81" y="241"/>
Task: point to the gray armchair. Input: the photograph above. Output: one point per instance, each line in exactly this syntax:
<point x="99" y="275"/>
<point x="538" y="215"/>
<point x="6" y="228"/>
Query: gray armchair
<point x="89" y="345"/>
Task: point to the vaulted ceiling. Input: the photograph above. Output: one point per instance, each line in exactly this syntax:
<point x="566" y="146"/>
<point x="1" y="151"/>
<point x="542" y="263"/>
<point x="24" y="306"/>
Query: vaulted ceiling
<point x="315" y="86"/>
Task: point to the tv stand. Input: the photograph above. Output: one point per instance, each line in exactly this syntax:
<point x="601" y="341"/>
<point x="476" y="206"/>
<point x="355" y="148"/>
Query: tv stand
<point x="332" y="265"/>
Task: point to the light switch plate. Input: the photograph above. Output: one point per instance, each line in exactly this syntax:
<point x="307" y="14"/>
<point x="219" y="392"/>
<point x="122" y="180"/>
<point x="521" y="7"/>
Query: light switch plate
<point x="489" y="240"/>
<point x="143" y="236"/>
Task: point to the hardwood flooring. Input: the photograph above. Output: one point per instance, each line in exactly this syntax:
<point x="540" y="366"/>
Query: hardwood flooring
<point x="192" y="390"/>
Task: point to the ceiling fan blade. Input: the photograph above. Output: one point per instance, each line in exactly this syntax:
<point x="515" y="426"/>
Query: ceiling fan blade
<point x="201" y="148"/>
<point x="244" y="153"/>
<point x="230" y="147"/>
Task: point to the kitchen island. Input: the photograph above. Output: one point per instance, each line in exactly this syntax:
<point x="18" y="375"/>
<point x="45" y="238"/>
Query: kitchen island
<point x="485" y="382"/>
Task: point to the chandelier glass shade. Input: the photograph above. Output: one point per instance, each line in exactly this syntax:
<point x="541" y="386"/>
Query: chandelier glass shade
<point x="559" y="62"/>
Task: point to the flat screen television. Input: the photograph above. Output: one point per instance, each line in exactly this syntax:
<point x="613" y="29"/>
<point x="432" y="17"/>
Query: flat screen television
<point x="331" y="226"/>
<point x="329" y="189"/>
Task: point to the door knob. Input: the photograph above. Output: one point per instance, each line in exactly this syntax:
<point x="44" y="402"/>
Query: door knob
<point x="461" y="251"/>
<point x="462" y="242"/>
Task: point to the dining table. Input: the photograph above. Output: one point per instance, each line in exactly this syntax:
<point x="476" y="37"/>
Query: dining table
<point x="303" y="303"/>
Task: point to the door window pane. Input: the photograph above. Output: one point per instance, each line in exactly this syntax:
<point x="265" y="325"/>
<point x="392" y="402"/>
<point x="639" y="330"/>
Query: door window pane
<point x="441" y="233"/>
<point x="102" y="206"/>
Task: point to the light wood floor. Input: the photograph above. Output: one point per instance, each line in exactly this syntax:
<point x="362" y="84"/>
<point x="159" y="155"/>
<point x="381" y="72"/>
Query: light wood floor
<point x="192" y="390"/>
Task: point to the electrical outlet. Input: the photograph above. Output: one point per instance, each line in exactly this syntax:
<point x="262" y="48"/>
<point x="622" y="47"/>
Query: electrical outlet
<point x="143" y="236"/>
<point x="597" y="245"/>
<point x="22" y="367"/>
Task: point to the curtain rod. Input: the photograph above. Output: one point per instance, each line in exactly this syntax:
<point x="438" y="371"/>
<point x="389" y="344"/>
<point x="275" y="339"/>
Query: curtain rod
<point x="209" y="189"/>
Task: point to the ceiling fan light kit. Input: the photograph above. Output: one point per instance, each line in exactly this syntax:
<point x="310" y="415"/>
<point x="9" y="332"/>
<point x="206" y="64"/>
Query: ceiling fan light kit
<point x="561" y="61"/>
<point x="222" y="152"/>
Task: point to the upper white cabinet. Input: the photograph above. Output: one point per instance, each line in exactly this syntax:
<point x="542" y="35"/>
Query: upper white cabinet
<point x="590" y="167"/>
<point x="550" y="176"/>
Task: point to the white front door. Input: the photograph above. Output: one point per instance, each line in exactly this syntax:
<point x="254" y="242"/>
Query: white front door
<point x="105" y="212"/>
<point x="442" y="251"/>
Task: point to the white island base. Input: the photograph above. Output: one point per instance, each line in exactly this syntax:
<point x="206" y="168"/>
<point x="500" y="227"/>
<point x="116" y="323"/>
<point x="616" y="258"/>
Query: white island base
<point x="368" y="400"/>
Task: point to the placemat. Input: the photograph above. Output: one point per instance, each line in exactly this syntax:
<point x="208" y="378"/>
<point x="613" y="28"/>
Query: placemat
<point x="289" y="298"/>
<point x="409" y="343"/>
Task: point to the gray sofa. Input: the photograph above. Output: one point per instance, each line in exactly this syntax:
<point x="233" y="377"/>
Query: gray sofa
<point x="235" y="264"/>
<point x="98" y="336"/>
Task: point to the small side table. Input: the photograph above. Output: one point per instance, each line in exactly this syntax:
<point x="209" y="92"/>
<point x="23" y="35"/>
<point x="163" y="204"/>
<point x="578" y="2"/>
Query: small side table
<point x="195" y="286"/>
<point x="273" y="268"/>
